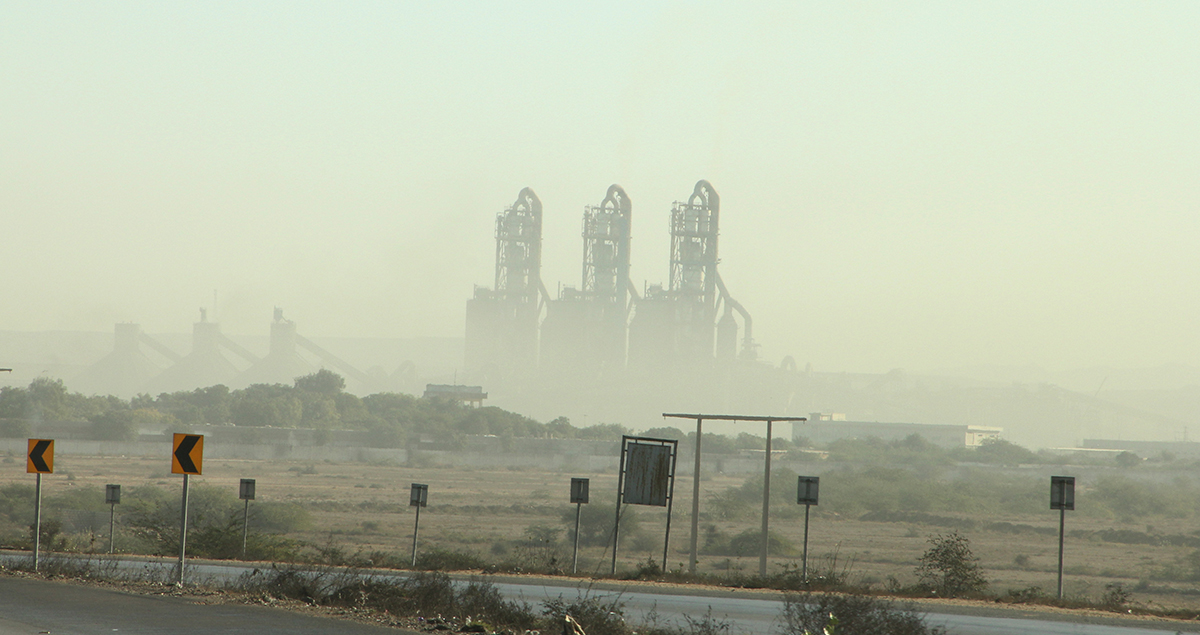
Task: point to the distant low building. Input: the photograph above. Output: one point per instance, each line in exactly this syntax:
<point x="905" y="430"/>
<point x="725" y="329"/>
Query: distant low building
<point x="823" y="428"/>
<point x="1147" y="449"/>
<point x="471" y="395"/>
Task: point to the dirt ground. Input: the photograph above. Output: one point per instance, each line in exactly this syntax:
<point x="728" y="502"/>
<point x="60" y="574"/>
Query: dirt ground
<point x="363" y="507"/>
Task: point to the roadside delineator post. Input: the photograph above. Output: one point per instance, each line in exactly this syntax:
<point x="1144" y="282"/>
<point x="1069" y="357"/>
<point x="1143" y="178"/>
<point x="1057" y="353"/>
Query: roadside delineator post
<point x="246" y="493"/>
<point x="418" y="497"/>
<point x="1062" y="498"/>
<point x="112" y="496"/>
<point x="579" y="496"/>
<point x="807" y="489"/>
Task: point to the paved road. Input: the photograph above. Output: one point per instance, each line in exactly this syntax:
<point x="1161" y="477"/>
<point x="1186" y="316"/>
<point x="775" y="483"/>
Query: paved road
<point x="31" y="606"/>
<point x="747" y="613"/>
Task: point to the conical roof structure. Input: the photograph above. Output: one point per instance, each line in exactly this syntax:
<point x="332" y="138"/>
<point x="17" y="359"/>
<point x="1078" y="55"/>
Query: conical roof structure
<point x="283" y="364"/>
<point x="205" y="366"/>
<point x="122" y="372"/>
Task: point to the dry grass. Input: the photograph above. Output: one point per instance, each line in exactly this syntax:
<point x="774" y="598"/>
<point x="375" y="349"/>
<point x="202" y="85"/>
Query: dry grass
<point x="360" y="507"/>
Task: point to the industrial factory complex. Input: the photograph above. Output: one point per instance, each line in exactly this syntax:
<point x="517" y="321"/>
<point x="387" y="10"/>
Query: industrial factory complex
<point x="603" y="350"/>
<point x="605" y="323"/>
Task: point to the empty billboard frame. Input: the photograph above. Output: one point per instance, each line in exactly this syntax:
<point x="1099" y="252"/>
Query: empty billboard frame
<point x="646" y="477"/>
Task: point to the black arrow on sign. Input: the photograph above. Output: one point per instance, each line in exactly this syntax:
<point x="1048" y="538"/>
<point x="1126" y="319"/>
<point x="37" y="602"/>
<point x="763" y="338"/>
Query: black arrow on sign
<point x="35" y="456"/>
<point x="184" y="451"/>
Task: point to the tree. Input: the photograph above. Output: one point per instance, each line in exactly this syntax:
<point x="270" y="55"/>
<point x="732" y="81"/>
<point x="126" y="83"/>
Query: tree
<point x="1001" y="452"/>
<point x="324" y="381"/>
<point x="949" y="568"/>
<point x="47" y="399"/>
<point x="1128" y="459"/>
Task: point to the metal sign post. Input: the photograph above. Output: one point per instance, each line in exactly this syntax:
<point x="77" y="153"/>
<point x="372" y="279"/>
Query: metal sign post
<point x="246" y="493"/>
<point x="187" y="455"/>
<point x="418" y="497"/>
<point x="579" y="496"/>
<point x="39" y="460"/>
<point x="112" y="496"/>
<point x="646" y="477"/>
<point x="1062" y="498"/>
<point x="764" y="548"/>
<point x="807" y="489"/>
<point x="699" y="418"/>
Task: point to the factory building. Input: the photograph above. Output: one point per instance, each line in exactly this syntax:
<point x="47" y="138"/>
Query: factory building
<point x="823" y="428"/>
<point x="502" y="321"/>
<point x="603" y="326"/>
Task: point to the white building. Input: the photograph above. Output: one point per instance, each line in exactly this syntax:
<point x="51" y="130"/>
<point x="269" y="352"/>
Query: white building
<point x="825" y="427"/>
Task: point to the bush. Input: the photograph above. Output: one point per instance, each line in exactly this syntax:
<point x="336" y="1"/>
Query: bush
<point x="851" y="615"/>
<point x="596" y="616"/>
<point x="747" y="543"/>
<point x="444" y="560"/>
<point x="427" y="594"/>
<point x="214" y="524"/>
<point x="596" y="524"/>
<point x="948" y="567"/>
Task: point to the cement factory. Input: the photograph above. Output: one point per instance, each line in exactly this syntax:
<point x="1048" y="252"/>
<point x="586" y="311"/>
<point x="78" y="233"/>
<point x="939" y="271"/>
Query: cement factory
<point x="602" y="351"/>
<point x="129" y="369"/>
<point x="605" y="325"/>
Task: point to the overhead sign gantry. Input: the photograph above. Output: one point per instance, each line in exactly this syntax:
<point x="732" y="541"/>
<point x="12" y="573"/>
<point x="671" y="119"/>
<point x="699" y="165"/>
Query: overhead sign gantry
<point x="700" y="418"/>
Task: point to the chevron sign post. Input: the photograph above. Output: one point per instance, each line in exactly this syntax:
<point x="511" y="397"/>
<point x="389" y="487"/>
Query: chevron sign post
<point x="187" y="454"/>
<point x="39" y="460"/>
<point x="187" y="458"/>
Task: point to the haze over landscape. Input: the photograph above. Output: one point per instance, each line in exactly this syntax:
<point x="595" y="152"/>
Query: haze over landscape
<point x="999" y="191"/>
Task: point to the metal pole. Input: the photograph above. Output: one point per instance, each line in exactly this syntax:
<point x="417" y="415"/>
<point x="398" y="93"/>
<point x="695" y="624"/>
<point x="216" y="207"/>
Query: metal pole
<point x="575" y="553"/>
<point x="1062" y="523"/>
<point x="416" y="528"/>
<point x="617" y="521"/>
<point x="37" y="522"/>
<point x="804" y="566"/>
<point x="670" y="505"/>
<point x="762" y="554"/>
<point x="245" y="527"/>
<point x="112" y="524"/>
<point x="183" y="528"/>
<point x="696" y="503"/>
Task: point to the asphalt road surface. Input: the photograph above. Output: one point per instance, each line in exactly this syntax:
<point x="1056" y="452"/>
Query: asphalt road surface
<point x="31" y="606"/>
<point x="746" y="613"/>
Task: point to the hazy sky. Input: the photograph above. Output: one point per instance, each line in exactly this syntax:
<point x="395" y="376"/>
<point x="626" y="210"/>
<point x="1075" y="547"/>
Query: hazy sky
<point x="924" y="186"/>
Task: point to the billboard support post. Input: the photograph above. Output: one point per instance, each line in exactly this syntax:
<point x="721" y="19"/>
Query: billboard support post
<point x="693" y="554"/>
<point x="575" y="550"/>
<point x="804" y="563"/>
<point x="616" y="538"/>
<point x="1062" y="525"/>
<point x="765" y="546"/>
<point x="698" y="418"/>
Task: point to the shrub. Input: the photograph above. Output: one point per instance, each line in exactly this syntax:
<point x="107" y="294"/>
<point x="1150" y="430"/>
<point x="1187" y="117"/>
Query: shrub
<point x="851" y="615"/>
<point x="445" y="560"/>
<point x="596" y="524"/>
<point x="948" y="567"/>
<point x="597" y="616"/>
